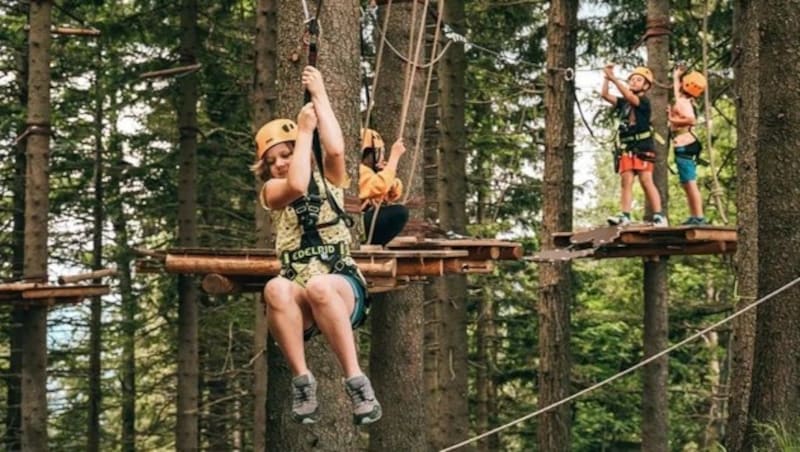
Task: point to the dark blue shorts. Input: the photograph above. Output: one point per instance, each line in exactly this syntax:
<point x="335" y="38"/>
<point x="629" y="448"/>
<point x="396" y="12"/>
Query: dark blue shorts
<point x="359" y="313"/>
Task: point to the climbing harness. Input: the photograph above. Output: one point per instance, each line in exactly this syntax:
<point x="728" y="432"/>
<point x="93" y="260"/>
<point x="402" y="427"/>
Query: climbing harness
<point x="308" y="209"/>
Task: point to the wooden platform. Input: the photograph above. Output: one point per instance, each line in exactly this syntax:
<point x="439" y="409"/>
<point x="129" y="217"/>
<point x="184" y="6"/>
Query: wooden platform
<point x="43" y="294"/>
<point x="227" y="271"/>
<point x="27" y="293"/>
<point x="642" y="240"/>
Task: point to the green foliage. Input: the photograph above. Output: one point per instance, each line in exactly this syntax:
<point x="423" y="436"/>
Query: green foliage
<point x="779" y="437"/>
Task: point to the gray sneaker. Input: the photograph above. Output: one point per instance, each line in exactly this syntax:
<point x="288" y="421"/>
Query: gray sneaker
<point x="366" y="408"/>
<point x="305" y="409"/>
<point x="619" y="220"/>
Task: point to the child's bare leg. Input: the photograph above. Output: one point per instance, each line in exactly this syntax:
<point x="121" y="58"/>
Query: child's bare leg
<point x="650" y="190"/>
<point x="626" y="197"/>
<point x="694" y="199"/>
<point x="287" y="320"/>
<point x="332" y="300"/>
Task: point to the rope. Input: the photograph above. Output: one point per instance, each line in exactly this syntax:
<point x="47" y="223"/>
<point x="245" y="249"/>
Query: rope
<point x="421" y="124"/>
<point x="423" y="66"/>
<point x="653" y="28"/>
<point x="717" y="191"/>
<point x="378" y="61"/>
<point x="630" y="369"/>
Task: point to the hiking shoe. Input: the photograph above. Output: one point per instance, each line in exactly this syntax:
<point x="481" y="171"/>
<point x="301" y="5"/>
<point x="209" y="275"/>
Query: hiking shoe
<point x="366" y="408"/>
<point x="695" y="221"/>
<point x="660" y="221"/>
<point x="305" y="409"/>
<point x="619" y="220"/>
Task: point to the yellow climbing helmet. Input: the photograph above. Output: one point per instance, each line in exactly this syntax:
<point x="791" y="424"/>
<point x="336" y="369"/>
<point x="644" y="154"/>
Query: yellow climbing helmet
<point x="644" y="72"/>
<point x="274" y="132"/>
<point x="371" y="139"/>
<point x="694" y="84"/>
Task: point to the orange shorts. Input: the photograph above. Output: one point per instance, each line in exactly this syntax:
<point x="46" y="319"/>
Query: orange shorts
<point x="630" y="162"/>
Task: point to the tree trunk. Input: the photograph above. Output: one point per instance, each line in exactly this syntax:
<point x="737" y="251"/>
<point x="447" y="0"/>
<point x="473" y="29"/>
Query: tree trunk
<point x="123" y="258"/>
<point x="743" y="338"/>
<point x="186" y="434"/>
<point x="555" y="279"/>
<point x="655" y="401"/>
<point x="776" y="397"/>
<point x="37" y="188"/>
<point x="338" y="62"/>
<point x="447" y="405"/>
<point x="13" y="416"/>
<point x="95" y="323"/>
<point x="486" y="395"/>
<point x="397" y="323"/>
<point x="216" y="431"/>
<point x="264" y="97"/>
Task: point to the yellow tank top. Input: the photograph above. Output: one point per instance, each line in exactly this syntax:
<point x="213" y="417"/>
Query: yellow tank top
<point x="289" y="233"/>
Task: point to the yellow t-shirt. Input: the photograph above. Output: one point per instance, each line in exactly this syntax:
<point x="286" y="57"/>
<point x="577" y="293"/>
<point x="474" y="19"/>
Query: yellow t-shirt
<point x="289" y="233"/>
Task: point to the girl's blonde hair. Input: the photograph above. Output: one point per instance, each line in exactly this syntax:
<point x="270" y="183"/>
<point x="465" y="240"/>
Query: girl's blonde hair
<point x="261" y="169"/>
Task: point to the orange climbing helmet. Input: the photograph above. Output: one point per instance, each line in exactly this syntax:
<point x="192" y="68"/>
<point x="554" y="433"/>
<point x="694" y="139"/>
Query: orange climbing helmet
<point x="694" y="84"/>
<point x="274" y="132"/>
<point x="371" y="139"/>
<point x="644" y="72"/>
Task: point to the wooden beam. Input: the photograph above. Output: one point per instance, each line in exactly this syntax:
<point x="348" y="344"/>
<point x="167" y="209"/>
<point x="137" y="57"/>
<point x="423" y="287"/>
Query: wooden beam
<point x="223" y="265"/>
<point x="70" y="31"/>
<point x="420" y="267"/>
<point x="20" y="286"/>
<point x="171" y="71"/>
<point x="237" y="266"/>
<point x="699" y="234"/>
<point x="84" y="276"/>
<point x="482" y="253"/>
<point x="65" y="292"/>
<point x="468" y="266"/>
<point x="511" y="253"/>
<point x="216" y="284"/>
<point x="661" y="250"/>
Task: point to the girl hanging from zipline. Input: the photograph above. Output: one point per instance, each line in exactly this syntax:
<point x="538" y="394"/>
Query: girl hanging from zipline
<point x="320" y="289"/>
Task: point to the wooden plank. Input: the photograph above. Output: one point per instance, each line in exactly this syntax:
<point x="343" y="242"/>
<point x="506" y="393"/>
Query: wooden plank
<point x="511" y="253"/>
<point x="223" y="265"/>
<point x="263" y="252"/>
<point x="410" y="254"/>
<point x="483" y="253"/>
<point x="172" y="71"/>
<point x="671" y="250"/>
<point x="561" y="254"/>
<point x="67" y="279"/>
<point x="268" y="252"/>
<point x="65" y="292"/>
<point x="20" y="286"/>
<point x="216" y="284"/>
<point x="468" y="266"/>
<point x="420" y="267"/>
<point x="726" y="235"/>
